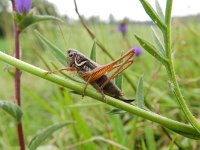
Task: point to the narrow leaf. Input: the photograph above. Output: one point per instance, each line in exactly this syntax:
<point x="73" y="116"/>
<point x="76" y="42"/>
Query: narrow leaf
<point x="81" y="124"/>
<point x="159" y="11"/>
<point x="172" y="144"/>
<point x="153" y="15"/>
<point x="30" y="20"/>
<point x="119" y="130"/>
<point x="143" y="144"/>
<point x="41" y="102"/>
<point x="140" y="93"/>
<point x="116" y="111"/>
<point x="151" y="49"/>
<point x="119" y="80"/>
<point x="185" y="134"/>
<point x="11" y="109"/>
<point x="93" y="52"/>
<point x="149" y="135"/>
<point x="60" y="56"/>
<point x="158" y="42"/>
<point x="43" y="135"/>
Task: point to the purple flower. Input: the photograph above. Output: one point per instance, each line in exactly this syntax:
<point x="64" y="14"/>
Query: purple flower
<point x="138" y="50"/>
<point x="23" y="6"/>
<point x="122" y="27"/>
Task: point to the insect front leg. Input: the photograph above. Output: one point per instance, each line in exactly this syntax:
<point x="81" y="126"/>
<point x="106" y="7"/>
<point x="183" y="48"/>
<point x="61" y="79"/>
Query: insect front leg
<point x="63" y="69"/>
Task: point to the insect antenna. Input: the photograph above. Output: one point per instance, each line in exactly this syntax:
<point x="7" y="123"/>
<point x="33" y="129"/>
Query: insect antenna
<point x="64" y="39"/>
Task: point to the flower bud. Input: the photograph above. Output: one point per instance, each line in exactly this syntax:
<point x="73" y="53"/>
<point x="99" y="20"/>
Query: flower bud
<point x="138" y="50"/>
<point x="23" y="6"/>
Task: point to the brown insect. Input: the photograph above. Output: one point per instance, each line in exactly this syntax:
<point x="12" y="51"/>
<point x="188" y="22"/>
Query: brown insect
<point x="96" y="75"/>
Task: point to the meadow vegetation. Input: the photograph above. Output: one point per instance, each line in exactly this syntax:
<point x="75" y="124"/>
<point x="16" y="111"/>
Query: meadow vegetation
<point x="96" y="126"/>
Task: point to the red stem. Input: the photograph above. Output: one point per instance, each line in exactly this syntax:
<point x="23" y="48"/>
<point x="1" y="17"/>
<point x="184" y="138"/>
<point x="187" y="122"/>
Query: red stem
<point x="17" y="82"/>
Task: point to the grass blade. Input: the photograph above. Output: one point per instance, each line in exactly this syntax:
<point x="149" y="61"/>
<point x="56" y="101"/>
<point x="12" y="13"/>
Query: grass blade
<point x="47" y="132"/>
<point x="149" y="135"/>
<point x="100" y="140"/>
<point x="143" y="144"/>
<point x="93" y="52"/>
<point x="11" y="109"/>
<point x="140" y="93"/>
<point x="81" y="125"/>
<point x="40" y="101"/>
<point x="118" y="128"/>
<point x="60" y="56"/>
<point x="116" y="111"/>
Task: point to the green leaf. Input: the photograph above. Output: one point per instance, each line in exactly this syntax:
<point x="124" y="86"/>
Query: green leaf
<point x="158" y="42"/>
<point x="119" y="80"/>
<point x="143" y="144"/>
<point x="43" y="135"/>
<point x="172" y="143"/>
<point x="93" y="52"/>
<point x="140" y="93"/>
<point x="153" y="15"/>
<point x="11" y="109"/>
<point x="119" y="130"/>
<point x="185" y="134"/>
<point x="116" y="111"/>
<point x="41" y="102"/>
<point x="159" y="11"/>
<point x="81" y="127"/>
<point x="30" y="20"/>
<point x="149" y="135"/>
<point x="60" y="56"/>
<point x="152" y="50"/>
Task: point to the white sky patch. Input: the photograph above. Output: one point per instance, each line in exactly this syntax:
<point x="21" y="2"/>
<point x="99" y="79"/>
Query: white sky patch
<point x="131" y="9"/>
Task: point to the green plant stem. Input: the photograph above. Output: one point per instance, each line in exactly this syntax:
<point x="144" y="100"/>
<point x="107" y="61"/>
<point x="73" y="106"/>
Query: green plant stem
<point x="194" y="122"/>
<point x="171" y="124"/>
<point x="171" y="70"/>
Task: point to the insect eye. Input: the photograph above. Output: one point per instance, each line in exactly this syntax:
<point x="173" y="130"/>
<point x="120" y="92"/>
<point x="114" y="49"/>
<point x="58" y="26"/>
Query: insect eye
<point x="71" y="54"/>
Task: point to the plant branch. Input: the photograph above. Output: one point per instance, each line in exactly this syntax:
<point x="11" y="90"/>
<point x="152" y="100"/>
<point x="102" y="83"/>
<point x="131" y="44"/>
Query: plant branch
<point x="176" y="126"/>
<point x="172" y="72"/>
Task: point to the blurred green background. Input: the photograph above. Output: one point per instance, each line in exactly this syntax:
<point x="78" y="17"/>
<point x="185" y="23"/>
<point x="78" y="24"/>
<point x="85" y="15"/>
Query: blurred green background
<point x="44" y="103"/>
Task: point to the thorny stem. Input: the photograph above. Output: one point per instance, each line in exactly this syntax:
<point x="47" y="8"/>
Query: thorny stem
<point x="17" y="82"/>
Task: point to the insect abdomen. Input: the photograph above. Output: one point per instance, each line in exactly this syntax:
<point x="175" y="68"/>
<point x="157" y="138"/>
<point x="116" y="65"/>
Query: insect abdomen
<point x="109" y="89"/>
